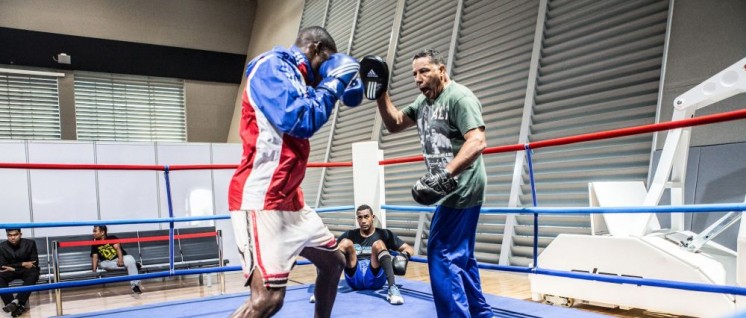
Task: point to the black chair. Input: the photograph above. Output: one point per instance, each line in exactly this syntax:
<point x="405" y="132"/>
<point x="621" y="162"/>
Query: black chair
<point x="45" y="259"/>
<point x="154" y="254"/>
<point x="201" y="251"/>
<point x="74" y="262"/>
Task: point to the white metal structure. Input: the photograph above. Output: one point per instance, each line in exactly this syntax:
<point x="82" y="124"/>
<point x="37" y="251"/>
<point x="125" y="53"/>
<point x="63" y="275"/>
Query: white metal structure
<point x="367" y="179"/>
<point x="633" y="245"/>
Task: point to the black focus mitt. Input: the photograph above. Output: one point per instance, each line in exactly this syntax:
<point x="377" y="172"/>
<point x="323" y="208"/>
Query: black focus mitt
<point x="432" y="187"/>
<point x="375" y="75"/>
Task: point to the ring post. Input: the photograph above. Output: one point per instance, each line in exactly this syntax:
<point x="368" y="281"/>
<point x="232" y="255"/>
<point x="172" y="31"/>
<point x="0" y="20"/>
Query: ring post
<point x="221" y="262"/>
<point x="57" y="291"/>
<point x="420" y="231"/>
<point x="368" y="179"/>
<point x="533" y="200"/>
<point x="171" y="222"/>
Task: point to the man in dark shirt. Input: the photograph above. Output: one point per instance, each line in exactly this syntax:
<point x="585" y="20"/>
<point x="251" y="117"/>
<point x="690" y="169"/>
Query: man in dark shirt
<point x="18" y="260"/>
<point x="368" y="262"/>
<point x="112" y="256"/>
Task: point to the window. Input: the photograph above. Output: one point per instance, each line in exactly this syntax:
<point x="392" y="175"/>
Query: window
<point x="29" y="105"/>
<point x="129" y="108"/>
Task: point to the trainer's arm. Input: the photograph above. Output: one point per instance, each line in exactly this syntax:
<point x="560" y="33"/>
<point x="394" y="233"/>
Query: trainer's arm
<point x="394" y="119"/>
<point x="470" y="151"/>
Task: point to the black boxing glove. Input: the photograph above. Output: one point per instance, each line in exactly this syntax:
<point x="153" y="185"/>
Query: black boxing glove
<point x="375" y="75"/>
<point x="432" y="187"/>
<point x="400" y="263"/>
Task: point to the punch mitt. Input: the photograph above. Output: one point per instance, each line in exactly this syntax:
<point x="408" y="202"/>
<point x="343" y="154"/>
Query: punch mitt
<point x="375" y="75"/>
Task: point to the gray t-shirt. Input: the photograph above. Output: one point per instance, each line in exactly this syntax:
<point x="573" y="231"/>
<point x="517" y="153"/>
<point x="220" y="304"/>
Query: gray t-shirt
<point x="442" y="124"/>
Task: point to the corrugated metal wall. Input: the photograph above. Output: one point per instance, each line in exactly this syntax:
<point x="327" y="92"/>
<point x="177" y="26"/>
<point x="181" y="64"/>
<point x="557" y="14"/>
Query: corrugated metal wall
<point x="599" y="70"/>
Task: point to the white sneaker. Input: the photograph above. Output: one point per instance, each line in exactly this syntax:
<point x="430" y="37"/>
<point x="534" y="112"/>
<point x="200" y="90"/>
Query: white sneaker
<point x="394" y="296"/>
<point x="312" y="299"/>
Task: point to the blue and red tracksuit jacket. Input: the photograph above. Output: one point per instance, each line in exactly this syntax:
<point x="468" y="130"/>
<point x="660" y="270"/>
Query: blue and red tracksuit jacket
<point x="280" y="111"/>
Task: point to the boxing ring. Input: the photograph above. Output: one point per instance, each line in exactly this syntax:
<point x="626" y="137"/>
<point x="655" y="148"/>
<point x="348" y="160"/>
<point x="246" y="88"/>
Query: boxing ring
<point x="538" y="270"/>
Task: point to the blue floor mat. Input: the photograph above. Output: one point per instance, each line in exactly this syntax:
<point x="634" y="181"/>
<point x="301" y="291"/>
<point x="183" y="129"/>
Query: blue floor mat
<point x="418" y="302"/>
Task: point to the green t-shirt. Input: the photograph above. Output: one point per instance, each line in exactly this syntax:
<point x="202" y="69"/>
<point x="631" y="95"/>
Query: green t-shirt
<point x="442" y="124"/>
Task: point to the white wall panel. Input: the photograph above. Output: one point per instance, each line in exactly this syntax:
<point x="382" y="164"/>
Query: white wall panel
<point x="14" y="190"/>
<point x="70" y="195"/>
<point x="128" y="194"/>
<point x="63" y="195"/>
<point x="225" y="154"/>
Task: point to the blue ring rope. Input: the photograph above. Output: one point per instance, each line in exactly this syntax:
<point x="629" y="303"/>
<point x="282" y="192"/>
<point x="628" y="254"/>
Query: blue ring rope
<point x="98" y="281"/>
<point x="709" y="288"/>
<point x="734" y="290"/>
<point x="337" y="208"/>
<point x="704" y="208"/>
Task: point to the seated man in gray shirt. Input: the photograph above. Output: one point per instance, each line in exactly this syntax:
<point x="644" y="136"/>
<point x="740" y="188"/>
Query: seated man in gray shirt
<point x="112" y="256"/>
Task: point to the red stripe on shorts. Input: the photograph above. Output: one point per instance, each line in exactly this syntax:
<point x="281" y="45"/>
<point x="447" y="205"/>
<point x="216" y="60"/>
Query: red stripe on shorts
<point x="256" y="243"/>
<point x="332" y="243"/>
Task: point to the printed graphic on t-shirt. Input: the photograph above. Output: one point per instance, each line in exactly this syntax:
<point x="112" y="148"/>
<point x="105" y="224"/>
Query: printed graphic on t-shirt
<point x="432" y="123"/>
<point x="107" y="251"/>
<point x="363" y="250"/>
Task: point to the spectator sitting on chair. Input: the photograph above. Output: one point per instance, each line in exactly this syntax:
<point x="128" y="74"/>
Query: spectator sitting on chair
<point x="368" y="262"/>
<point x="18" y="259"/>
<point x="112" y="256"/>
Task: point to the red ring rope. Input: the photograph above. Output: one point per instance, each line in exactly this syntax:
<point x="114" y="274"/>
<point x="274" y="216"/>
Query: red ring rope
<point x="628" y="131"/>
<point x="137" y="239"/>
<point x="708" y="119"/>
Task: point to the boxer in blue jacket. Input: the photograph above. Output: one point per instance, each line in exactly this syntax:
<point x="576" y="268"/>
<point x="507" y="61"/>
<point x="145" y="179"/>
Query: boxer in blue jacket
<point x="290" y="94"/>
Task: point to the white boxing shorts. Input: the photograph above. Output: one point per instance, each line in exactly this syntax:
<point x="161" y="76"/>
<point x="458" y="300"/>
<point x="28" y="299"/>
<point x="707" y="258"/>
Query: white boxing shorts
<point x="270" y="240"/>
